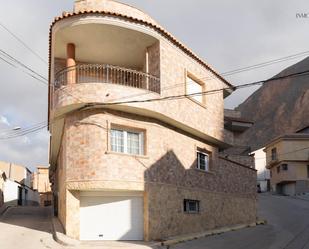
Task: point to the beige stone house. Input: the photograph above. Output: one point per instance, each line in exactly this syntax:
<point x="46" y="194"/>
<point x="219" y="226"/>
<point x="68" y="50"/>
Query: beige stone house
<point x="17" y="187"/>
<point x="128" y="162"/>
<point x="287" y="158"/>
<point x="42" y="185"/>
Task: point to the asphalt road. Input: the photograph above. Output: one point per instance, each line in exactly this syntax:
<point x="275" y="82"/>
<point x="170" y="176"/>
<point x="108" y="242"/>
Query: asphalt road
<point x="288" y="228"/>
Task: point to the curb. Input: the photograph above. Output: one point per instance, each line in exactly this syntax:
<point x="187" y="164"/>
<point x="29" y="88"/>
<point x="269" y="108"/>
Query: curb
<point x="59" y="236"/>
<point x="186" y="238"/>
<point x="5" y="210"/>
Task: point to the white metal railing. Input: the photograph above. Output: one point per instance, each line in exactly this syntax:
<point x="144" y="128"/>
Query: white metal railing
<point x="103" y="73"/>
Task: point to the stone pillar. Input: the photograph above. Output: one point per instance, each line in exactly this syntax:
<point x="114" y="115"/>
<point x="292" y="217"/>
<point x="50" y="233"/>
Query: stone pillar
<point x="71" y="63"/>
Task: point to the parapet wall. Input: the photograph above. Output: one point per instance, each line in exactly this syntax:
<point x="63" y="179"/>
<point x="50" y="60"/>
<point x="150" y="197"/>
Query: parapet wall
<point x="111" y="6"/>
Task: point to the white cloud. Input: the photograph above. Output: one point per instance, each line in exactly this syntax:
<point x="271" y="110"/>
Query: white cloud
<point x="4" y="120"/>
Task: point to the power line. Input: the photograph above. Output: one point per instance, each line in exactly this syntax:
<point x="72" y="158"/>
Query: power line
<point x="187" y="95"/>
<point x="206" y="92"/>
<point x="24" y="44"/>
<point x="282" y="154"/>
<point x="229" y="73"/>
<point x="32" y="73"/>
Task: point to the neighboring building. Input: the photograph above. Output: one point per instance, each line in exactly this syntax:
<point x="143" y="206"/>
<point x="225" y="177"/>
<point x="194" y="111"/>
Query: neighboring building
<point x="18" y="185"/>
<point x="138" y="169"/>
<point x="42" y="185"/>
<point x="234" y="127"/>
<point x="287" y="158"/>
<point x="2" y="180"/>
<point x="263" y="174"/>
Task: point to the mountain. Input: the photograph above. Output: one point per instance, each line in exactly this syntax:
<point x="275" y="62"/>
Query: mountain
<point x="278" y="107"/>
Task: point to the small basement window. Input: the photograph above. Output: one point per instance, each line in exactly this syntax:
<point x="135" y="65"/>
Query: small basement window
<point x="191" y="206"/>
<point x="284" y="167"/>
<point x="202" y="161"/>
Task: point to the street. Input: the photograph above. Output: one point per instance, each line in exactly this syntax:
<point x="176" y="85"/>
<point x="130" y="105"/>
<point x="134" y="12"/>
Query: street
<point x="27" y="228"/>
<point x="288" y="228"/>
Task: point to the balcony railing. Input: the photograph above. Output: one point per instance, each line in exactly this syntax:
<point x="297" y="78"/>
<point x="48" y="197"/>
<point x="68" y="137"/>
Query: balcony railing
<point x="103" y="73"/>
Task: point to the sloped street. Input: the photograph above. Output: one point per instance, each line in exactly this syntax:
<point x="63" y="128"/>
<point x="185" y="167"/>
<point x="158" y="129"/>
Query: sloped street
<point x="288" y="228"/>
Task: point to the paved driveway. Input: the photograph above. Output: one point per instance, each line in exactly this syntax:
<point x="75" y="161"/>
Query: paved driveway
<point x="288" y="228"/>
<point x="26" y="228"/>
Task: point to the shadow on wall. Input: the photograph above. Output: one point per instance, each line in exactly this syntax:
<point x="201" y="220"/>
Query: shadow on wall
<point x="168" y="183"/>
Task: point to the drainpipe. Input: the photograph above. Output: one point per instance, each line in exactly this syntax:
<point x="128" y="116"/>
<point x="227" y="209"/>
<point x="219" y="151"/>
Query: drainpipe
<point x="71" y="63"/>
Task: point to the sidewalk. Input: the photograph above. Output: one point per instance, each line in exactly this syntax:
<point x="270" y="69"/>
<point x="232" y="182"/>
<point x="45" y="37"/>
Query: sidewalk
<point x="61" y="238"/>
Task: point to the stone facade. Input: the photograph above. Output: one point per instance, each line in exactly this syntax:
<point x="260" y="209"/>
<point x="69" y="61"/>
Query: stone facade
<point x="166" y="173"/>
<point x="90" y="165"/>
<point x="42" y="185"/>
<point x="287" y="160"/>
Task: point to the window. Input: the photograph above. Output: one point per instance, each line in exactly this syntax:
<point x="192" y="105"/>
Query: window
<point x="274" y="154"/>
<point x="191" y="206"/>
<point x="278" y="169"/>
<point x="284" y="166"/>
<point x="202" y="161"/>
<point x="127" y="142"/>
<point x="192" y="87"/>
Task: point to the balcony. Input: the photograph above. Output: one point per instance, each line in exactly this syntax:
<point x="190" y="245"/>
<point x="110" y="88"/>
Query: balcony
<point x="106" y="74"/>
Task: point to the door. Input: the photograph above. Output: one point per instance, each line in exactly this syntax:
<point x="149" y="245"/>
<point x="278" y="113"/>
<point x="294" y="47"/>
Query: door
<point x="20" y="196"/>
<point x="111" y="217"/>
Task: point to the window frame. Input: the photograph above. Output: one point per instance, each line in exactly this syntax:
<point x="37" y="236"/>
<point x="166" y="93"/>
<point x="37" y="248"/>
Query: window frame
<point x="186" y="206"/>
<point x="285" y="167"/>
<point x="207" y="162"/>
<point x="274" y="155"/>
<point x="125" y="131"/>
<point x="190" y="76"/>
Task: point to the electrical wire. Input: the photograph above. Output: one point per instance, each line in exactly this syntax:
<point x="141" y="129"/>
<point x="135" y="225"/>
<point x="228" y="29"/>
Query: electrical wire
<point x="32" y="73"/>
<point x="23" y="43"/>
<point x="180" y="96"/>
<point x="306" y="72"/>
<point x="229" y="73"/>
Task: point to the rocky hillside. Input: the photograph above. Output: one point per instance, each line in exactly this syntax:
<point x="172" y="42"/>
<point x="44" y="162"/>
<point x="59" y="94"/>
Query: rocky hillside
<point x="277" y="107"/>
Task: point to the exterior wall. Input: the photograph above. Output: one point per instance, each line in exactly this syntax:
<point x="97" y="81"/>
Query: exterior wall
<point x="290" y="150"/>
<point x="263" y="174"/>
<point x="173" y="66"/>
<point x="222" y="202"/>
<point x="16" y="173"/>
<point x="10" y="192"/>
<point x="302" y="186"/>
<point x="113" y="6"/>
<point x="296" y="171"/>
<point x="42" y="185"/>
<point x="88" y="164"/>
<point x="294" y="153"/>
<point x="30" y="197"/>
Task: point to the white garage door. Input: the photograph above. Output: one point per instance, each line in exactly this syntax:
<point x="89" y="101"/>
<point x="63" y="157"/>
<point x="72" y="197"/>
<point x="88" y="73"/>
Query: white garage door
<point x="107" y="216"/>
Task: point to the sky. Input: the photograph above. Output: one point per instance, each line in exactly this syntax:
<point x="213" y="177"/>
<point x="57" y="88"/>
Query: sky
<point x="227" y="34"/>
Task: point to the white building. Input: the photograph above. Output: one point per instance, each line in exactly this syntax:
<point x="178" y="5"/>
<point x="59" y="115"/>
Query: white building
<point x="263" y="174"/>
